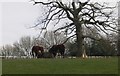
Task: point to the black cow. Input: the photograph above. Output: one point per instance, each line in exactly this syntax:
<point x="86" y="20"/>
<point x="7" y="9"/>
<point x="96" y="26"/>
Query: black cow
<point x="37" y="51"/>
<point x="60" y="49"/>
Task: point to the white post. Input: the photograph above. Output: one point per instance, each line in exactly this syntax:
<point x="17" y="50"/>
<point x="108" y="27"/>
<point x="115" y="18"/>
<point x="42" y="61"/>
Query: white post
<point x="84" y="55"/>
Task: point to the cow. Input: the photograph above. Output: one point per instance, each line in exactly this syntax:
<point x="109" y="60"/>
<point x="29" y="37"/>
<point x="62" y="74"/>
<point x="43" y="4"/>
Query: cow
<point x="57" y="49"/>
<point x="37" y="51"/>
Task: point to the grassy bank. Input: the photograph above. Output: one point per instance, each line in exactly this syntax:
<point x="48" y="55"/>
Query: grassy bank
<point x="60" y="66"/>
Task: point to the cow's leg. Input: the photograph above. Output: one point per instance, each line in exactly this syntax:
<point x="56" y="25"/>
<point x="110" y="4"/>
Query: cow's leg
<point x="58" y="55"/>
<point x="62" y="54"/>
<point x="33" y="54"/>
<point x="54" y="54"/>
<point x="36" y="55"/>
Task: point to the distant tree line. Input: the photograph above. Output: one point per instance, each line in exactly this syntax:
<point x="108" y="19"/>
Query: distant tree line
<point x="24" y="45"/>
<point x="103" y="46"/>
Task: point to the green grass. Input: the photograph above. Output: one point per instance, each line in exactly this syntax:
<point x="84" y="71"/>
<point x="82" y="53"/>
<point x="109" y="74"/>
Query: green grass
<point x="0" y="66"/>
<point x="60" y="66"/>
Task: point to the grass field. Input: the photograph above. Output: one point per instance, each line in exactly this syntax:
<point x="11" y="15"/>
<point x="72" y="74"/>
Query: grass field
<point x="60" y="66"/>
<point x="0" y="66"/>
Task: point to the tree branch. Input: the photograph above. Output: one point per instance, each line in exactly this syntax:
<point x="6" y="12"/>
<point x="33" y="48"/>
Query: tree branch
<point x="64" y="27"/>
<point x="68" y="39"/>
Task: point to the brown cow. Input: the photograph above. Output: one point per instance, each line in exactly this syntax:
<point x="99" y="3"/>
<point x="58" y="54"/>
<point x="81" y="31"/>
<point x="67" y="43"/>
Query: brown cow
<point x="37" y="51"/>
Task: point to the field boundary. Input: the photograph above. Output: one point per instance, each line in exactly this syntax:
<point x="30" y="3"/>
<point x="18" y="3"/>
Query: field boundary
<point x="60" y="75"/>
<point x="0" y="66"/>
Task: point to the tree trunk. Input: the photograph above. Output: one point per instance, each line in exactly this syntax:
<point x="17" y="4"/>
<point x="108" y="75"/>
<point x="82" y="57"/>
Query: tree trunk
<point x="79" y="39"/>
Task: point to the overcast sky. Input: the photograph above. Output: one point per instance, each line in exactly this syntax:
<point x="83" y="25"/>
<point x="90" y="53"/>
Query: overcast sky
<point x="15" y="18"/>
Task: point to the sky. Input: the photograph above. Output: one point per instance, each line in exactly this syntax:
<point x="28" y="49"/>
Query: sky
<point x="16" y="16"/>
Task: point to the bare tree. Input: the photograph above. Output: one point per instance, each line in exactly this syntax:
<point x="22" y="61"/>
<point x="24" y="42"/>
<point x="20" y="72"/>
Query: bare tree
<point x="17" y="50"/>
<point x="53" y="38"/>
<point x="3" y="52"/>
<point x="50" y="38"/>
<point x="26" y="44"/>
<point x="7" y="50"/>
<point x="35" y="41"/>
<point x="77" y="15"/>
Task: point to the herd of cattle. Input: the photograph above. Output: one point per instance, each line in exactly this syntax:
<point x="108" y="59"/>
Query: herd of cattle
<point x="38" y="51"/>
<point x="54" y="51"/>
